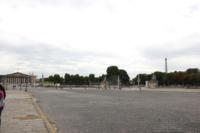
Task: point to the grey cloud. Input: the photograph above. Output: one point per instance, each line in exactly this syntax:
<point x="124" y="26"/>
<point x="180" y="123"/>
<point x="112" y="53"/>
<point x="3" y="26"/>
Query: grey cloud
<point x="48" y="53"/>
<point x="35" y="3"/>
<point x="167" y="50"/>
<point x="36" y="56"/>
<point x="81" y="2"/>
<point x="194" y="8"/>
<point x="186" y="49"/>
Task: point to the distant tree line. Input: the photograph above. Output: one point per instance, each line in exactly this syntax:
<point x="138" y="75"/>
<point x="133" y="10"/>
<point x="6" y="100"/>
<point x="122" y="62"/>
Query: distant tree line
<point x="190" y="77"/>
<point x="74" y="79"/>
<point x="82" y="80"/>
<point x="112" y="75"/>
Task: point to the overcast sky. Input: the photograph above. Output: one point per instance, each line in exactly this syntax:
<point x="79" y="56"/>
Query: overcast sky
<point x="87" y="36"/>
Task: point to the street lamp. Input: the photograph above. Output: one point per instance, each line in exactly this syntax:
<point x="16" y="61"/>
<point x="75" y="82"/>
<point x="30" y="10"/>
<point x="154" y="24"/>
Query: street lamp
<point x="138" y="80"/>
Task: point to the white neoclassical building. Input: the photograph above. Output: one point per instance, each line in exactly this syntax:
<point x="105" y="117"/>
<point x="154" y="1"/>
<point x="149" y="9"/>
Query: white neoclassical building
<point x="18" y="79"/>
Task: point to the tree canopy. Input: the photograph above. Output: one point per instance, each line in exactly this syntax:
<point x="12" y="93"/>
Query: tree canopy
<point x="189" y="77"/>
<point x="112" y="73"/>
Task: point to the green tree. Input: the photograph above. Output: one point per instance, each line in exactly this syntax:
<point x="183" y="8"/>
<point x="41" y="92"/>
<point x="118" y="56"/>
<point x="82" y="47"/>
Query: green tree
<point x="190" y="77"/>
<point x="160" y="77"/>
<point x="112" y="75"/>
<point x="124" y="78"/>
<point x="143" y="78"/>
<point x="57" y="79"/>
<point x="67" y="79"/>
<point x="192" y="70"/>
<point x="92" y="78"/>
<point x="112" y="70"/>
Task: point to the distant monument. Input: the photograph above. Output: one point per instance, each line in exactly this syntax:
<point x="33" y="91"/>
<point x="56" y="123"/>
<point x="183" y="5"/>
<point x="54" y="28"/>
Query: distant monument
<point x="153" y="83"/>
<point x="104" y="84"/>
<point x="166" y="67"/>
<point x="119" y="83"/>
<point x="42" y="83"/>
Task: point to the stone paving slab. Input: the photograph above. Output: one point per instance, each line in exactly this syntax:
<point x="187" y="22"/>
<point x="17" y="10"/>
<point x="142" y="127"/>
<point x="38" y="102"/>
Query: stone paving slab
<point x="20" y="115"/>
<point x="115" y="111"/>
<point x="162" y="89"/>
<point x="135" y="88"/>
<point x="173" y="89"/>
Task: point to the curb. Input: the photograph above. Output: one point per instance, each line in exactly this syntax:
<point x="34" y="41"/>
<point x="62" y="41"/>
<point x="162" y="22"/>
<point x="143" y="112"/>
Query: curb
<point x="51" y="128"/>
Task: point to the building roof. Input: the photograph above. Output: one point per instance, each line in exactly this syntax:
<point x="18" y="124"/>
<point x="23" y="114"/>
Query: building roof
<point x="17" y="74"/>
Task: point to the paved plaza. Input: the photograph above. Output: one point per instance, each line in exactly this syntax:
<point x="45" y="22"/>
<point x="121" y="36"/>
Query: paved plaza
<point x="20" y="115"/>
<point x="115" y="111"/>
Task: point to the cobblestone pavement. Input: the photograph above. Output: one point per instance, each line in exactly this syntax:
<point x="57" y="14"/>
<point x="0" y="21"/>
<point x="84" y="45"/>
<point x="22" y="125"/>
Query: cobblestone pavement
<point x="164" y="89"/>
<point x="20" y="115"/>
<point x="114" y="111"/>
<point x="174" y="89"/>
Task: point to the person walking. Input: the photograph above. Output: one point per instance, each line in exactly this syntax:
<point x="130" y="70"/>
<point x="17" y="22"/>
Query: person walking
<point x="2" y="98"/>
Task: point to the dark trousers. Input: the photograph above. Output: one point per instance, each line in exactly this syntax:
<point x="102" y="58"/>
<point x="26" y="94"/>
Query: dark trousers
<point x="1" y="109"/>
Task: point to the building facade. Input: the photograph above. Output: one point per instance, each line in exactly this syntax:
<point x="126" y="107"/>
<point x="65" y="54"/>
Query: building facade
<point x="17" y="79"/>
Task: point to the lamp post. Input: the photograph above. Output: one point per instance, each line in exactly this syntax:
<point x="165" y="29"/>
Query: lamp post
<point x="20" y="84"/>
<point x="26" y="88"/>
<point x="42" y="80"/>
<point x="119" y="83"/>
<point x="138" y="80"/>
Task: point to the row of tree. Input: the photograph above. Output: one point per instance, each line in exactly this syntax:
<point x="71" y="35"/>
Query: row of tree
<point x="187" y="78"/>
<point x="114" y="76"/>
<point x="74" y="79"/>
<point x="113" y="73"/>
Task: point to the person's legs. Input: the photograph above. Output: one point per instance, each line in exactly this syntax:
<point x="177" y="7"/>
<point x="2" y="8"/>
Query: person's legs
<point x="0" y="115"/>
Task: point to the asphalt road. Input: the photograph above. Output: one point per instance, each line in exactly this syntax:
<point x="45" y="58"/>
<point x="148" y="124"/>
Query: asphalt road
<point x="114" y="111"/>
